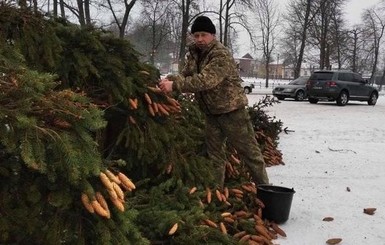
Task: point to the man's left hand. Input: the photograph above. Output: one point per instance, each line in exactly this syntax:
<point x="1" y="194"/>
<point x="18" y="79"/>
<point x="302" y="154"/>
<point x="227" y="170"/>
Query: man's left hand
<point x="165" y="85"/>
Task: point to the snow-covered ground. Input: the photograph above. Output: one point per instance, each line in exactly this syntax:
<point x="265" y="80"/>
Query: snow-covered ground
<point x="334" y="160"/>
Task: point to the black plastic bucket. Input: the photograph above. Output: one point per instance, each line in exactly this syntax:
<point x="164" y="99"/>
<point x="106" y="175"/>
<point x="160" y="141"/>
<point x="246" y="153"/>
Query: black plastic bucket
<point x="277" y="200"/>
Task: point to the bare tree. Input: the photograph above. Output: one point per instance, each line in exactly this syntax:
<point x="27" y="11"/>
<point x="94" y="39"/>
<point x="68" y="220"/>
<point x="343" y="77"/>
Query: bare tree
<point x="55" y="5"/>
<point x="299" y="18"/>
<point x="339" y="39"/>
<point x="81" y="9"/>
<point x="185" y="8"/>
<point x="224" y="19"/>
<point x="268" y="21"/>
<point x="175" y="23"/>
<point x="375" y="26"/>
<point x="322" y="32"/>
<point x="322" y="28"/>
<point x="120" y="21"/>
<point x="355" y="44"/>
<point x="303" y="35"/>
<point x="355" y="33"/>
<point x="81" y="15"/>
<point x="155" y="14"/>
<point x="231" y="13"/>
<point x="382" y="79"/>
<point x="62" y="8"/>
<point x="87" y="13"/>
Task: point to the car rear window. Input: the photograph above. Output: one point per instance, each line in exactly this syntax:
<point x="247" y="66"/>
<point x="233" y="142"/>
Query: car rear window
<point x="322" y="76"/>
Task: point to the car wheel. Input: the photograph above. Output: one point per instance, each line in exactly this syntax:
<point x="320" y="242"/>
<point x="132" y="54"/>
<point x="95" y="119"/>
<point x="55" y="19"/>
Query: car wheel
<point x="300" y="95"/>
<point x="372" y="99"/>
<point x="313" y="101"/>
<point x="280" y="97"/>
<point x="247" y="90"/>
<point x="343" y="98"/>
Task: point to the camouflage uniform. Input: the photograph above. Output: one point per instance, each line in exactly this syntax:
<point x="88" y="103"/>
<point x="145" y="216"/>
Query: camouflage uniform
<point x="213" y="76"/>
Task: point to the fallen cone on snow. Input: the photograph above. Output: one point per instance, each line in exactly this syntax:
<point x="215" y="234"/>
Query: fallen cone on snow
<point x="369" y="211"/>
<point x="277" y="229"/>
<point x="328" y="219"/>
<point x="334" y="241"/>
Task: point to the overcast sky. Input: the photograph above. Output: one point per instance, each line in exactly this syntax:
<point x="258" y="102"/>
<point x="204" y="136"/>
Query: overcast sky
<point x="353" y="10"/>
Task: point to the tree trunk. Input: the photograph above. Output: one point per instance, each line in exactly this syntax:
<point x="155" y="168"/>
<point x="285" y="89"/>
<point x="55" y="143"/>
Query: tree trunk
<point x="226" y="27"/>
<point x="87" y="12"/>
<point x="153" y="45"/>
<point x="54" y="3"/>
<point x="339" y="56"/>
<point x="221" y="21"/>
<point x="298" y="65"/>
<point x="323" y="44"/>
<point x="185" y="24"/>
<point x="82" y="21"/>
<point x="23" y="4"/>
<point x="327" y="57"/>
<point x="62" y="9"/>
<point x="35" y="9"/>
<point x="374" y="67"/>
<point x="122" y="28"/>
<point x="267" y="73"/>
<point x="382" y="81"/>
<point x="355" y="40"/>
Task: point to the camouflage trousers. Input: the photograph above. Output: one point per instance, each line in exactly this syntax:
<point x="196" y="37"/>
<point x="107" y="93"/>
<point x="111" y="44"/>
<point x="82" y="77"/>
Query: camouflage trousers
<point x="236" y="129"/>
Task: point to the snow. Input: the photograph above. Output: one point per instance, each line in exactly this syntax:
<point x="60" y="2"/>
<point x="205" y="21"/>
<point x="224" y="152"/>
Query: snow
<point x="332" y="150"/>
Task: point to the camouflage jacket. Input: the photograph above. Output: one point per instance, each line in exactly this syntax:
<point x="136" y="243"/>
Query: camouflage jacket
<point x="213" y="76"/>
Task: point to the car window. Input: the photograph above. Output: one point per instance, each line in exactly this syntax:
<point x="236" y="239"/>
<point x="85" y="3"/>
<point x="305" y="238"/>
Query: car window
<point x="298" y="82"/>
<point x="345" y="77"/>
<point x="302" y="82"/>
<point x="322" y="76"/>
<point x="357" y="78"/>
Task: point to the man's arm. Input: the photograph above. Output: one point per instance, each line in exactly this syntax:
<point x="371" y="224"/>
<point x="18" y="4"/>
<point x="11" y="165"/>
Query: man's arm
<point x="210" y="76"/>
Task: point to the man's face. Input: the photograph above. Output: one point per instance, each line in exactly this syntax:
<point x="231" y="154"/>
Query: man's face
<point x="202" y="38"/>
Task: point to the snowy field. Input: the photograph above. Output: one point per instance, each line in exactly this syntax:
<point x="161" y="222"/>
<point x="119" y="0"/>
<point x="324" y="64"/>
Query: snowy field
<point x="334" y="160"/>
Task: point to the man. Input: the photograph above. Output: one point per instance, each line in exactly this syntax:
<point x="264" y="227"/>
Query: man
<point x="211" y="73"/>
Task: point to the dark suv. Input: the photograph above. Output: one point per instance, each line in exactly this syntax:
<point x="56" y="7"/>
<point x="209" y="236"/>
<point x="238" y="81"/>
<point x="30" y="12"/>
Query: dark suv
<point x="340" y="86"/>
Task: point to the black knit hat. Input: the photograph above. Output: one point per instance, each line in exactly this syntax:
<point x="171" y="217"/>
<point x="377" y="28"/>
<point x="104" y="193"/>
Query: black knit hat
<point x="203" y="23"/>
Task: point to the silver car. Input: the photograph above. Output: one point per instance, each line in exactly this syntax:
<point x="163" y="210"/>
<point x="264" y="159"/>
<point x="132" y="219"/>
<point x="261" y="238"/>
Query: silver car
<point x="247" y="86"/>
<point x="295" y="89"/>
